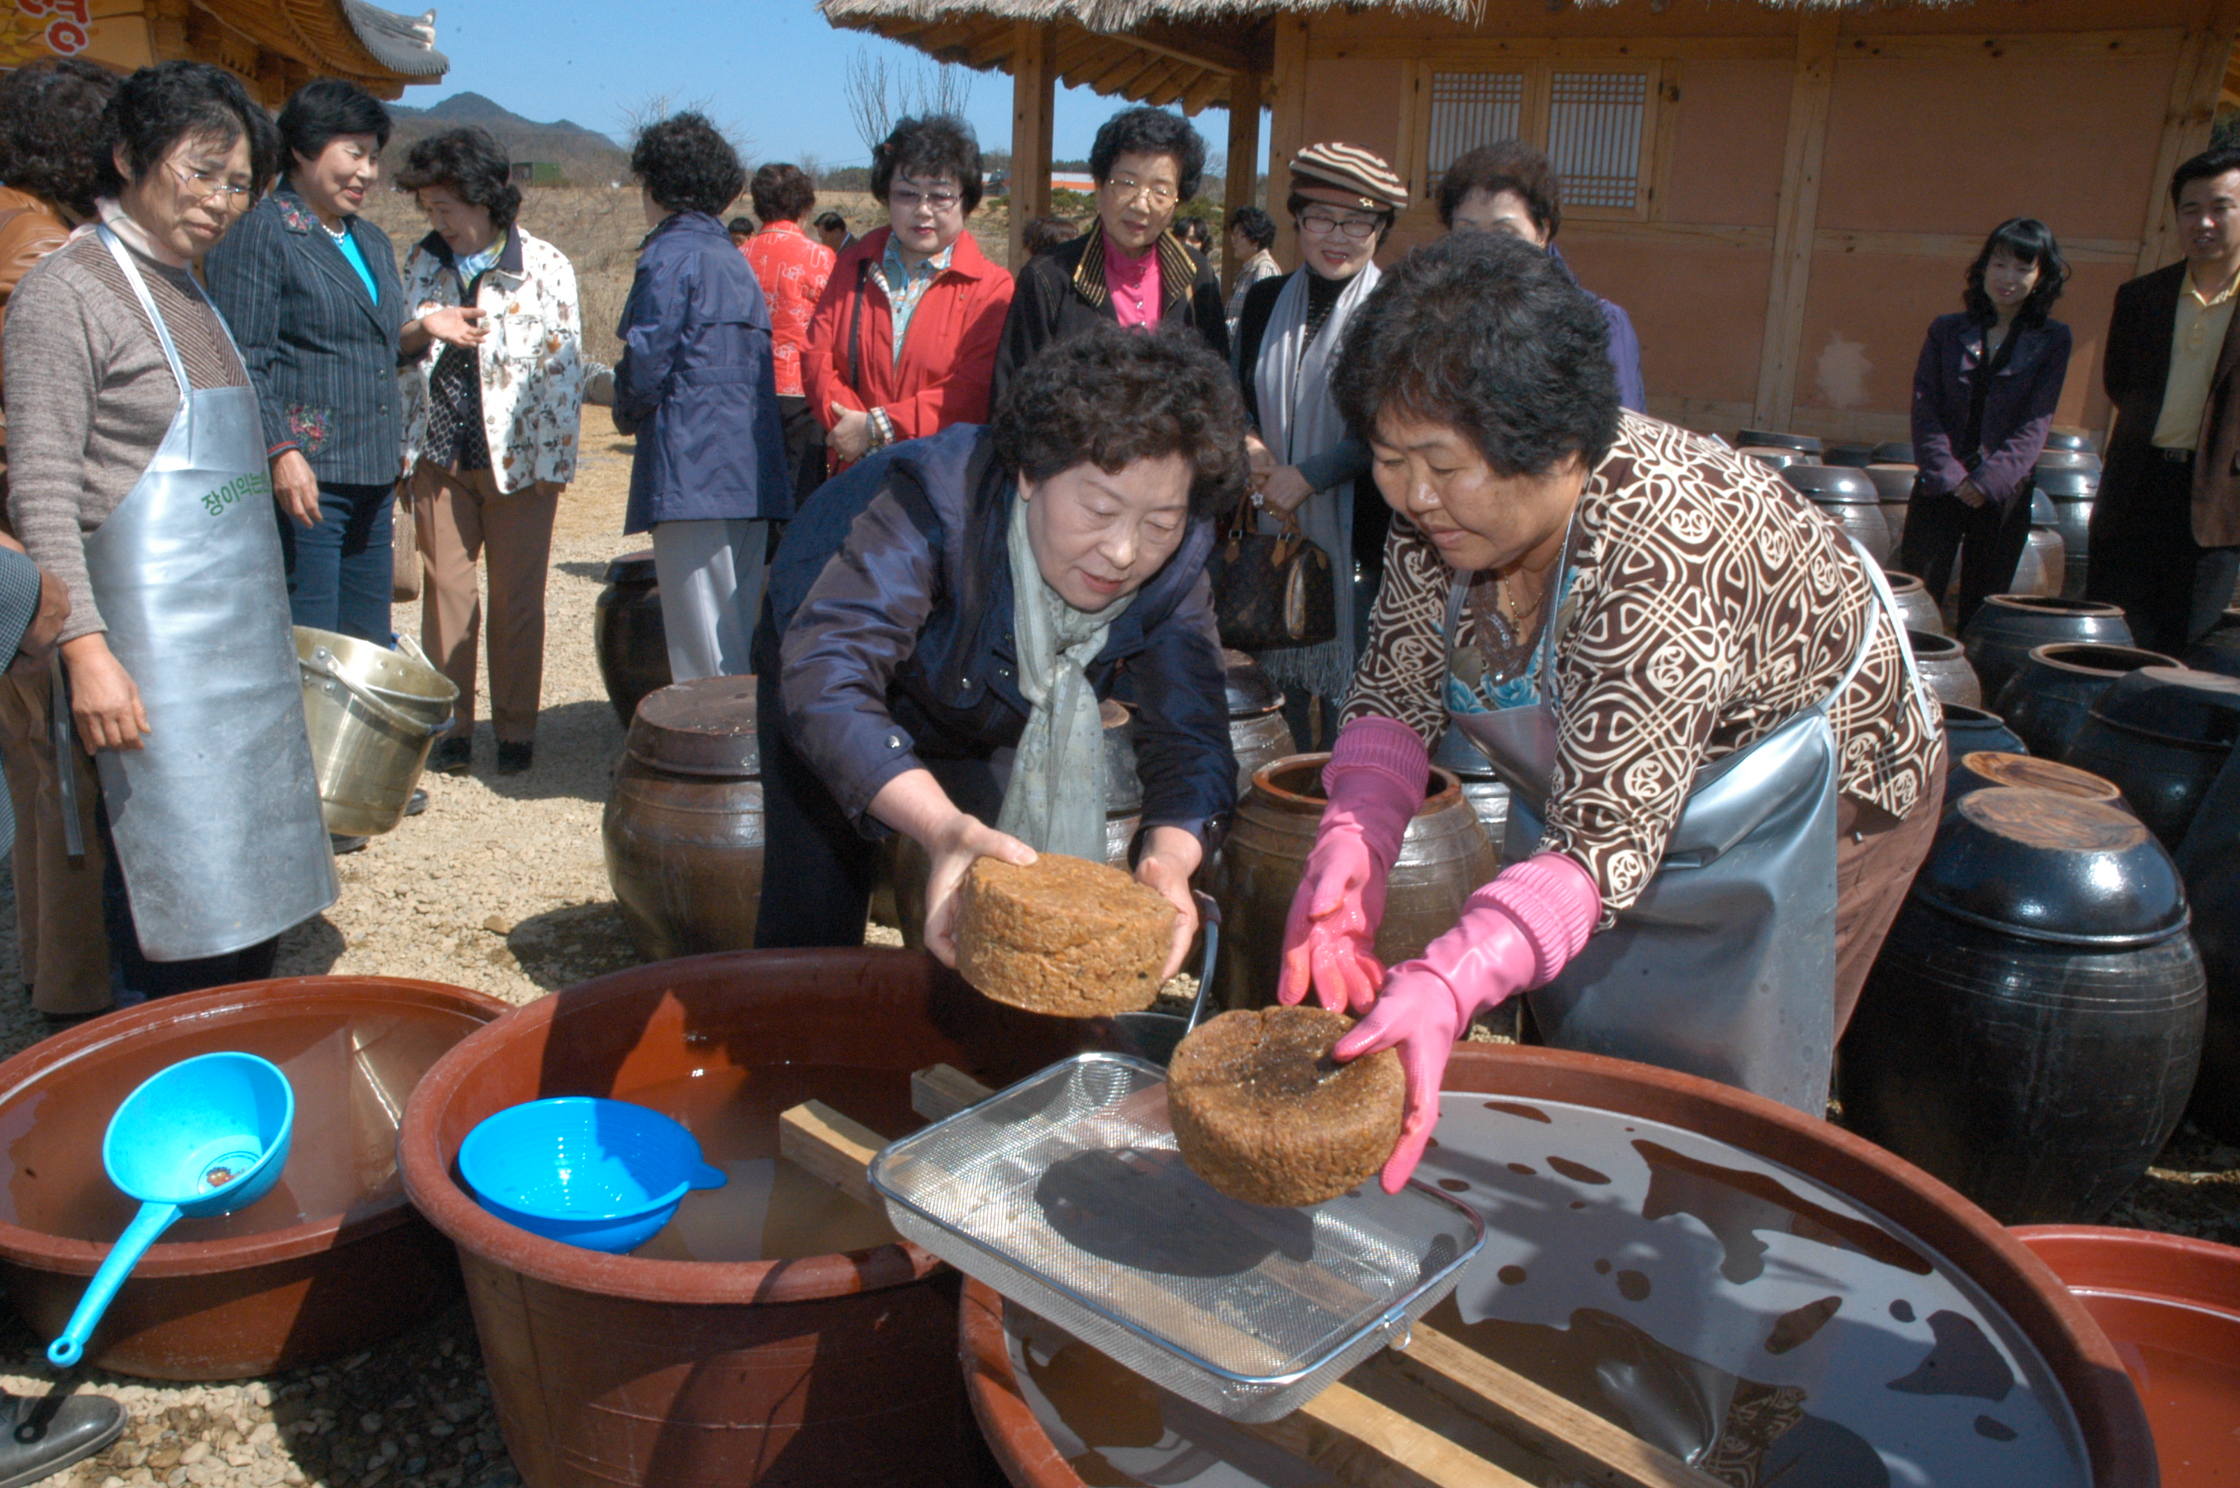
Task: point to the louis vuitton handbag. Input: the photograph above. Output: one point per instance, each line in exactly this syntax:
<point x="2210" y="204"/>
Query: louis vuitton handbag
<point x="1271" y="589"/>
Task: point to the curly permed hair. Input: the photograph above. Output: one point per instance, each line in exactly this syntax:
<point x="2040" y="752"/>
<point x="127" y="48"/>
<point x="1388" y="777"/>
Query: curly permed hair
<point x="687" y="164"/>
<point x="937" y="145"/>
<point x="782" y="192"/>
<point x="1486" y="334"/>
<point x="1109" y="397"/>
<point x="51" y="143"/>
<point x="1145" y="130"/>
<point x="157" y="107"/>
<point x="1510" y="165"/>
<point x="469" y="164"/>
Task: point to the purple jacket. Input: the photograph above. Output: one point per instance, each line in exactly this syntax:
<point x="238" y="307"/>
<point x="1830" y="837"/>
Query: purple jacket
<point x="2017" y="409"/>
<point x="1625" y="345"/>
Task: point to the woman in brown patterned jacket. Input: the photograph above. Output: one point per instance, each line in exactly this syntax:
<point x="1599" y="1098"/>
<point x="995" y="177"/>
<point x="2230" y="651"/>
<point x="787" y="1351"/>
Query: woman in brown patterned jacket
<point x="1677" y="662"/>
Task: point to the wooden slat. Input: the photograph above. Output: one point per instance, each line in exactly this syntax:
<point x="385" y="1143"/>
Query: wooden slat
<point x="1241" y="183"/>
<point x="1287" y="106"/>
<point x="1364" y="1442"/>
<point x="1033" y="92"/>
<point x="942" y="1090"/>
<point x="2196" y="79"/>
<point x="1476" y="53"/>
<point x="1802" y="157"/>
<point x="2030" y="46"/>
<point x="1962" y="245"/>
<point x="828" y="1145"/>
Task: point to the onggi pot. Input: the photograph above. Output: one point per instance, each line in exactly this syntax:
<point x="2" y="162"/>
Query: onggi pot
<point x="1753" y="1196"/>
<point x="2162" y="734"/>
<point x="683" y="826"/>
<point x="1967" y="730"/>
<point x="333" y="1260"/>
<point x="1257" y="733"/>
<point x="1444" y="855"/>
<point x="2047" y="698"/>
<point x="1915" y="608"/>
<point x="2008" y="626"/>
<point x="612" y="1370"/>
<point x="1944" y="669"/>
<point x="627" y="635"/>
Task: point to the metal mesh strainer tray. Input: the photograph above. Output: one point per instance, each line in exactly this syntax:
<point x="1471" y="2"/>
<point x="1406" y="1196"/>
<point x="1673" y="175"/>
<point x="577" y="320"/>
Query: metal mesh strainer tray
<point x="1065" y="1193"/>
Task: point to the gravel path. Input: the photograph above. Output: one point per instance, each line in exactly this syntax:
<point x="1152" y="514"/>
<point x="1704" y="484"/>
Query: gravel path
<point x="501" y="886"/>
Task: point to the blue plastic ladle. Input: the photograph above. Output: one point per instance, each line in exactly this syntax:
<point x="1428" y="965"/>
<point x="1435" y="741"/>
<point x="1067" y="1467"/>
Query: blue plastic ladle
<point x="205" y="1137"/>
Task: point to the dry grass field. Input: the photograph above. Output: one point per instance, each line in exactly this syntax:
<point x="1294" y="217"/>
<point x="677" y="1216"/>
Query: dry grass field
<point x="599" y="228"/>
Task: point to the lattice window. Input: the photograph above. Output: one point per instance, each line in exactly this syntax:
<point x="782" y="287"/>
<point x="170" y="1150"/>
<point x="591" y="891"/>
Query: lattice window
<point x="1595" y="123"/>
<point x="1469" y="109"/>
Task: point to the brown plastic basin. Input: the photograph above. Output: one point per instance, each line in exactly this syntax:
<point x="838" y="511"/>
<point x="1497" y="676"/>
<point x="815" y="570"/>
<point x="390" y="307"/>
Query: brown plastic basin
<point x="2089" y="1369"/>
<point x="332" y="1260"/>
<point x="618" y="1369"/>
<point x="2171" y="1306"/>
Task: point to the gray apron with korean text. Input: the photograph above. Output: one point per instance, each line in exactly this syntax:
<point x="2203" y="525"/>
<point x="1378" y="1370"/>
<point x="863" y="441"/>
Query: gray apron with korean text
<point x="1724" y="967"/>
<point x="216" y="819"/>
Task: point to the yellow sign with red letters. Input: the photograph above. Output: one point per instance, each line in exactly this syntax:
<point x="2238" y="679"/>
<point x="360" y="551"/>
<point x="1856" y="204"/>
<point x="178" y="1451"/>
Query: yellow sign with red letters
<point x="31" y="29"/>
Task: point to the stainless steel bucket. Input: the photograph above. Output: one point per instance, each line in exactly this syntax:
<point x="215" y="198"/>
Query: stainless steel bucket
<point x="373" y="713"/>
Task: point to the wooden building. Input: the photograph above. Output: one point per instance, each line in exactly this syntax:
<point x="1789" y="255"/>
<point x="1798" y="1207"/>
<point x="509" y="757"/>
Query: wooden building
<point x="1781" y="194"/>
<point x="275" y="45"/>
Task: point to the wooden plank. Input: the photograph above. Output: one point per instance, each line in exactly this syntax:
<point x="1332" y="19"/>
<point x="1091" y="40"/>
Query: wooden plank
<point x="1962" y="246"/>
<point x="1287" y="110"/>
<point x="1472" y="54"/>
<point x="1241" y="184"/>
<point x="829" y="1146"/>
<point x="2196" y="79"/>
<point x="941" y="1090"/>
<point x="1033" y="96"/>
<point x="2030" y="46"/>
<point x="1361" y="1441"/>
<point x="1584" y="1445"/>
<point x="1802" y="157"/>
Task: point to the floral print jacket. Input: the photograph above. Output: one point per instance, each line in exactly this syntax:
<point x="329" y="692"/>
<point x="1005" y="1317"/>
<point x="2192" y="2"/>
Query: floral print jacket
<point x="532" y="360"/>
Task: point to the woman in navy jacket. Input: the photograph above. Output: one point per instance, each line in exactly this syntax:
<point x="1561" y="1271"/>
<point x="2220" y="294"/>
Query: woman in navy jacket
<point x="697" y="383"/>
<point x="905" y="688"/>
<point x="1983" y="399"/>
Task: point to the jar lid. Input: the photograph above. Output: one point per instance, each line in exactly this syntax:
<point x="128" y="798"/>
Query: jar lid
<point x="1778" y="439"/>
<point x="2063" y="459"/>
<point x="1856" y="456"/>
<point x="1832" y="483"/>
<point x="702" y="727"/>
<point x="2070" y="439"/>
<point x="632" y="568"/>
<point x="2176" y="702"/>
<point x="2067" y="485"/>
<point x="1893" y="452"/>
<point x="2053" y="867"/>
<point x="1250" y="693"/>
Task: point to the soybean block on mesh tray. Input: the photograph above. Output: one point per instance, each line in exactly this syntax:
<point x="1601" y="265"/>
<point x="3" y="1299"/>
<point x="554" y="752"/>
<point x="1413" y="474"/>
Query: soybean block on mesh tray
<point x="1262" y="1112"/>
<point x="1062" y="935"/>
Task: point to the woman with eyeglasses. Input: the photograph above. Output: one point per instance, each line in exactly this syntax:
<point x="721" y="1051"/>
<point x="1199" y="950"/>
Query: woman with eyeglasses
<point x="1306" y="464"/>
<point x="1130" y="266"/>
<point x="310" y="288"/>
<point x="903" y="342"/>
<point x="139" y="474"/>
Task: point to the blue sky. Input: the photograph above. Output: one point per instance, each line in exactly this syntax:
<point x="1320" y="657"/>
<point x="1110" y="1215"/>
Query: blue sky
<point x="770" y="70"/>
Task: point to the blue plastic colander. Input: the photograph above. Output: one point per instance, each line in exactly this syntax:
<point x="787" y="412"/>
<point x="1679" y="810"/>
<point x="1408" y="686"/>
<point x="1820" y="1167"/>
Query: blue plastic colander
<point x="602" y="1174"/>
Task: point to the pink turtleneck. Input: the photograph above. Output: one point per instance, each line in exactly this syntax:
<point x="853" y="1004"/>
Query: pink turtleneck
<point x="1134" y="284"/>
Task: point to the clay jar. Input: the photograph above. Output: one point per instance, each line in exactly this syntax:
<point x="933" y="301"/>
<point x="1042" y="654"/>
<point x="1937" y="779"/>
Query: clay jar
<point x="683" y="825"/>
<point x="1944" y="668"/>
<point x="1915" y="608"/>
<point x="2030" y="1031"/>
<point x="2071" y="493"/>
<point x="333" y="1260"/>
<point x="2161" y="734"/>
<point x="2046" y="700"/>
<point x="1850" y="498"/>
<point x="1487" y="792"/>
<point x="2043" y="567"/>
<point x="613" y="1371"/>
<point x="1893" y="484"/>
<point x="2215" y="887"/>
<point x="626" y="633"/>
<point x="2010" y="626"/>
<point x="1443" y="857"/>
<point x="2219" y="650"/>
<point x="1257" y="733"/>
<point x="1804" y="444"/>
<point x="1967" y="730"/>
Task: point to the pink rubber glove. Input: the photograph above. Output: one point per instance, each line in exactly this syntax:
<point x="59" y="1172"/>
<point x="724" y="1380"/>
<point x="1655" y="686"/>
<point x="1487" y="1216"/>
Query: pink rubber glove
<point x="1515" y="934"/>
<point x="1375" y="781"/>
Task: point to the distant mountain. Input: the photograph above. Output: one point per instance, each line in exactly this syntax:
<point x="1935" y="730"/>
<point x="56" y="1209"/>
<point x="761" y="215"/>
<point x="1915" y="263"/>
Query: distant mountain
<point x="585" y="156"/>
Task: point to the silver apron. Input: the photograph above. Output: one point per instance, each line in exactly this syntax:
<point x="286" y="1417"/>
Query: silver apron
<point x="1724" y="967"/>
<point x="216" y="818"/>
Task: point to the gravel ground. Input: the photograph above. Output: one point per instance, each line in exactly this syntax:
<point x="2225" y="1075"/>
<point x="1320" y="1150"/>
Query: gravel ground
<point x="500" y="886"/>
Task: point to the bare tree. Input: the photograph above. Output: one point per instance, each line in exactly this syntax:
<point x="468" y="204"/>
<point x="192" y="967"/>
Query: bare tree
<point x="879" y="95"/>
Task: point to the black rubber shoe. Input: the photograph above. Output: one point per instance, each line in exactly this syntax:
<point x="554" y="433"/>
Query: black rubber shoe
<point x="36" y="1445"/>
<point x="515" y="759"/>
<point x="417" y="804"/>
<point x="452" y="755"/>
<point x="341" y="846"/>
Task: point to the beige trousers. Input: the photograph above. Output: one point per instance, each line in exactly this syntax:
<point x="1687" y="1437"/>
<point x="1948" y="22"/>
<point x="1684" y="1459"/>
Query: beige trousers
<point x="460" y="518"/>
<point x="64" y="949"/>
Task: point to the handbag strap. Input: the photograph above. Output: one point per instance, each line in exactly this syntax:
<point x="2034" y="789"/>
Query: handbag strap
<point x="855" y="331"/>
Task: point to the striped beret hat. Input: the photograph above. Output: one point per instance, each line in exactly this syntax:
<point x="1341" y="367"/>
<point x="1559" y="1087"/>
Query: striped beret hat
<point x="1351" y="169"/>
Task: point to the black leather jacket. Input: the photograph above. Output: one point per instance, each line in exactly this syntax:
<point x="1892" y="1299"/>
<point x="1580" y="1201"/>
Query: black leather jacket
<point x="888" y="624"/>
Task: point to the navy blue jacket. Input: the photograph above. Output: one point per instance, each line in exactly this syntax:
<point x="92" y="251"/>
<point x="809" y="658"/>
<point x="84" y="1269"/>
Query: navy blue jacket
<point x="2017" y="407"/>
<point x="887" y="621"/>
<point x="321" y="352"/>
<point x="697" y="380"/>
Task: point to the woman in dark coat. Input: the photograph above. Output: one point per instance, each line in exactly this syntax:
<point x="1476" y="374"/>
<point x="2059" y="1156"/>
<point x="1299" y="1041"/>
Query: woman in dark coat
<point x="906" y="687"/>
<point x="1983" y="399"/>
<point x="310" y="289"/>
<point x="697" y="382"/>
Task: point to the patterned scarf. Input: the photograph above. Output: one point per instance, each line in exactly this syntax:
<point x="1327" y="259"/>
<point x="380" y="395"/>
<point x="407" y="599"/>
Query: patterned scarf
<point x="1055" y="801"/>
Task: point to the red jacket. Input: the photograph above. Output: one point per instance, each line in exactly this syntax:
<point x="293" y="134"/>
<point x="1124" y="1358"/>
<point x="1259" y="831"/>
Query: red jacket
<point x="948" y="359"/>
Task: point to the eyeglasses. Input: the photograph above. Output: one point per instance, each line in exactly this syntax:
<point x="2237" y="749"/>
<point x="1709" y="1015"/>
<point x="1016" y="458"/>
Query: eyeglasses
<point x="1356" y="228"/>
<point x="1158" y="193"/>
<point x="203" y="186"/>
<point x="909" y="201"/>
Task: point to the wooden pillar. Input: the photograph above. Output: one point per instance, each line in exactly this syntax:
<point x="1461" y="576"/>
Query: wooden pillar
<point x="1810" y="87"/>
<point x="167" y="31"/>
<point x="2196" y="83"/>
<point x="1033" y="92"/>
<point x="1287" y="129"/>
<point x="1244" y="157"/>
